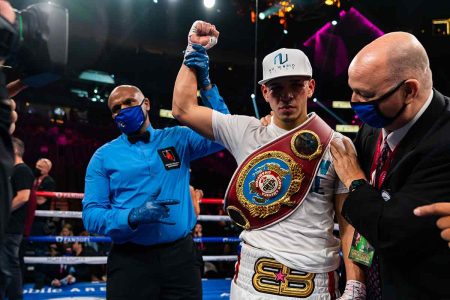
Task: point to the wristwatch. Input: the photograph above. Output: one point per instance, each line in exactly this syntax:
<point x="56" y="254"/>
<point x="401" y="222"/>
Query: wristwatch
<point x="356" y="183"/>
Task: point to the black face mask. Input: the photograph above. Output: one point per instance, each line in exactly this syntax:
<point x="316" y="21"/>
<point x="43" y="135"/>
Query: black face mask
<point x="37" y="172"/>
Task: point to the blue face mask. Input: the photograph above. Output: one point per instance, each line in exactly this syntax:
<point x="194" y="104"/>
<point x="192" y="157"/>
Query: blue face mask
<point x="129" y="120"/>
<point x="370" y="113"/>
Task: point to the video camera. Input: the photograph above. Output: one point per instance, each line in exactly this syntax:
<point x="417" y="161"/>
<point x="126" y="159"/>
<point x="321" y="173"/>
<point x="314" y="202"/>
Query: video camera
<point x="36" y="45"/>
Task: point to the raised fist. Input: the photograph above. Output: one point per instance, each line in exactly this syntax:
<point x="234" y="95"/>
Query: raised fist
<point x="202" y="33"/>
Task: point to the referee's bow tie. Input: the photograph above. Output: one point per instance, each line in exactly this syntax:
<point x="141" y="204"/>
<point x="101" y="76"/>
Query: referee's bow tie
<point x="143" y="137"/>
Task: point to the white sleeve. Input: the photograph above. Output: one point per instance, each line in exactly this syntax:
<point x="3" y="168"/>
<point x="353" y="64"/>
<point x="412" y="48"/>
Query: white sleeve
<point x="229" y="130"/>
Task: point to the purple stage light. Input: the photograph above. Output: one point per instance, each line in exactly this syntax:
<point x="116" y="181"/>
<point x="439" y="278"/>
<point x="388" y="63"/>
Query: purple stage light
<point x="333" y="46"/>
<point x="366" y="21"/>
<point x="353" y="12"/>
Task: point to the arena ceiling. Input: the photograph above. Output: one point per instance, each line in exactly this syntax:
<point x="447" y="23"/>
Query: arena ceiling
<point x="141" y="42"/>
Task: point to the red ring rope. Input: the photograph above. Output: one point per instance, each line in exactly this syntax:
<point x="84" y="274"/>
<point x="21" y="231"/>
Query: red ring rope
<point x="68" y="195"/>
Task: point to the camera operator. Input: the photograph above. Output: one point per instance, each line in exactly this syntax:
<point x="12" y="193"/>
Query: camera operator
<point x="7" y="17"/>
<point x="40" y="56"/>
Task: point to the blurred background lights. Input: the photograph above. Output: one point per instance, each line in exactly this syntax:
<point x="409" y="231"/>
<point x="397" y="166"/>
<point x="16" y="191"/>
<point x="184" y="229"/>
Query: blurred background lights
<point x="209" y="3"/>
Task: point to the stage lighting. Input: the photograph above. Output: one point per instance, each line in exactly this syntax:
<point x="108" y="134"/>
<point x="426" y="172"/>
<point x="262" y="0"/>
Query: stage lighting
<point x="333" y="2"/>
<point x="97" y="76"/>
<point x="209" y="3"/>
<point x="334" y="22"/>
<point x="261" y="16"/>
<point x="347" y="128"/>
<point x="441" y="27"/>
<point x="166" y="113"/>
<point x="58" y="111"/>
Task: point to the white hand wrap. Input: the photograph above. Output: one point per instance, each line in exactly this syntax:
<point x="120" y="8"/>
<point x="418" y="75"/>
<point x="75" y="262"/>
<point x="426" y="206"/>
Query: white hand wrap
<point x="354" y="290"/>
<point x="210" y="43"/>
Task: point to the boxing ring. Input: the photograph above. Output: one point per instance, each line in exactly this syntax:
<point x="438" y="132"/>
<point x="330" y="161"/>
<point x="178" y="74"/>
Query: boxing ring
<point x="212" y="288"/>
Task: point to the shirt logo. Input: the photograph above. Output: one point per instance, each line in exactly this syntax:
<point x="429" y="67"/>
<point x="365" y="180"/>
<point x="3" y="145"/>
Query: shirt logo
<point x="170" y="158"/>
<point x="168" y="155"/>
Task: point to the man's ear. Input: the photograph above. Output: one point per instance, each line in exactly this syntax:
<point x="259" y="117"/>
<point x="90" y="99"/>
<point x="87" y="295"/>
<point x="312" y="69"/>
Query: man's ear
<point x="265" y="92"/>
<point x="411" y="90"/>
<point x="147" y="104"/>
<point x="311" y="87"/>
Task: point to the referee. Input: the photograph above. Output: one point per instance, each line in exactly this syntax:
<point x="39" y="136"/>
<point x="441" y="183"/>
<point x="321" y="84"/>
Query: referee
<point x="137" y="192"/>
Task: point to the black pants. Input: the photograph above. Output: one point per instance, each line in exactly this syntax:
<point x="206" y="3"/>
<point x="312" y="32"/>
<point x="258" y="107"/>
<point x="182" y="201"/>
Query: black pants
<point x="10" y="271"/>
<point x="166" y="271"/>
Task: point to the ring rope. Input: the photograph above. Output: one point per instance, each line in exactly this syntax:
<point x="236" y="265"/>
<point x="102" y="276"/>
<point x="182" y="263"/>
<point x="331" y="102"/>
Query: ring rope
<point x="106" y="239"/>
<point x="58" y="213"/>
<point x="78" y="215"/>
<point x="213" y="218"/>
<point x="98" y="260"/>
<point x="69" y="195"/>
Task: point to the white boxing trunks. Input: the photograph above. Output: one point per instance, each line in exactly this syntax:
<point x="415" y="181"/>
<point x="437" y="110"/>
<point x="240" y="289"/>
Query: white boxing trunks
<point x="260" y="277"/>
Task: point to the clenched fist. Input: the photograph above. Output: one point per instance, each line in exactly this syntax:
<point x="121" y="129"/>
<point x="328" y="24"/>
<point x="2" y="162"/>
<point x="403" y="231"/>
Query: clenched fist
<point x="202" y="33"/>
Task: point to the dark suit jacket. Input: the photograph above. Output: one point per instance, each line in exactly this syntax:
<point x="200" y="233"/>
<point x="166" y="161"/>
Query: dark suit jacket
<point x="414" y="259"/>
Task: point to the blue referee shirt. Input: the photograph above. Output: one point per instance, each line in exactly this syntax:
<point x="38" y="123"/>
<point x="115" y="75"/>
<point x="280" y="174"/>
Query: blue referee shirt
<point x="122" y="175"/>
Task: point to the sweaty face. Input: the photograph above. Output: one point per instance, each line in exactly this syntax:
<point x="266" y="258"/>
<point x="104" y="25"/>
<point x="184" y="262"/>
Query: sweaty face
<point x="287" y="97"/>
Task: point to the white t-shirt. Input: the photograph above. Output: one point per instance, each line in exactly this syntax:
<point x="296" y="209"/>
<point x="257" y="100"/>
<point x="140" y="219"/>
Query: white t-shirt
<point x="304" y="240"/>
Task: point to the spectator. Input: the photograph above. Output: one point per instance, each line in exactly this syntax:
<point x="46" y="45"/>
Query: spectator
<point x="43" y="182"/>
<point x="10" y="267"/>
<point x="196" y="196"/>
<point x="85" y="272"/>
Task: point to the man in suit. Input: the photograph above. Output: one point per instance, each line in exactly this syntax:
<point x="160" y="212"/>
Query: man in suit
<point x="403" y="162"/>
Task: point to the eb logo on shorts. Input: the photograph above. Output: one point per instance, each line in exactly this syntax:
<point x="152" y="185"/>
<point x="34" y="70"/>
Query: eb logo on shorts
<point x="170" y="158"/>
<point x="272" y="277"/>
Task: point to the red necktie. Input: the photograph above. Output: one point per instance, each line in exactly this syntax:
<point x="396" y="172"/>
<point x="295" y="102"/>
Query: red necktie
<point x="373" y="282"/>
<point x="382" y="167"/>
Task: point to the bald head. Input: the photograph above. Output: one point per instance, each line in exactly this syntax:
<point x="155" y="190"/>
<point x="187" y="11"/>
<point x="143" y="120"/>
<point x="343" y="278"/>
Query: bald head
<point x="394" y="57"/>
<point x="125" y="92"/>
<point x="45" y="165"/>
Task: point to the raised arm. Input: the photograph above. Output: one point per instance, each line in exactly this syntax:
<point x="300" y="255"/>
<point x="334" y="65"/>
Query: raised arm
<point x="185" y="106"/>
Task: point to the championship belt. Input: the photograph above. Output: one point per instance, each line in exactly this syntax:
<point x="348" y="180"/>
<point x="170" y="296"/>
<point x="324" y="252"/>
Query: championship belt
<point x="275" y="179"/>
